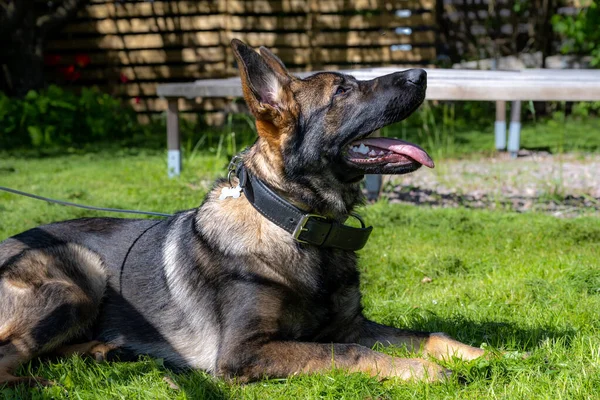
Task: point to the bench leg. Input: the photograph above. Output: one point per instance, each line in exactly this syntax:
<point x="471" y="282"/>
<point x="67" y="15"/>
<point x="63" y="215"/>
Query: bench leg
<point x="500" y="125"/>
<point x="173" y="140"/>
<point x="514" y="135"/>
<point x="373" y="182"/>
<point x="373" y="186"/>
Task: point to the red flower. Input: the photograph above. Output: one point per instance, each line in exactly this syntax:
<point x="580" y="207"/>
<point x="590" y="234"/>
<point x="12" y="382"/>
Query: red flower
<point x="70" y="73"/>
<point x="137" y="100"/>
<point x="51" y="60"/>
<point x="123" y="78"/>
<point x="82" y="60"/>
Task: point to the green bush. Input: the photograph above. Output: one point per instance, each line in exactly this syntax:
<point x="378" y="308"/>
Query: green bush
<point x="58" y="118"/>
<point x="581" y="32"/>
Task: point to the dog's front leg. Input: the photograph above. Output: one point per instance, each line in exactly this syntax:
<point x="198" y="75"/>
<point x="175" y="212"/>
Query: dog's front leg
<point x="438" y="345"/>
<point x="281" y="359"/>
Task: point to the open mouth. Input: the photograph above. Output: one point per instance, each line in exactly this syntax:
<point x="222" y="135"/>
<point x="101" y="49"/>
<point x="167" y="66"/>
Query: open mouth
<point x="387" y="155"/>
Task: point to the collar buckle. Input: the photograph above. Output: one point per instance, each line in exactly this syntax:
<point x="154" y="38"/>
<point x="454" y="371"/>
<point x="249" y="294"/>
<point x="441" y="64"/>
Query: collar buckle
<point x="233" y="167"/>
<point x="301" y="227"/>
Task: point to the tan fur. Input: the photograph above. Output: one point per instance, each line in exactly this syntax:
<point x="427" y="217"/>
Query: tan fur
<point x="11" y="356"/>
<point x="95" y="349"/>
<point x="443" y="347"/>
<point x="25" y="280"/>
<point x="288" y="358"/>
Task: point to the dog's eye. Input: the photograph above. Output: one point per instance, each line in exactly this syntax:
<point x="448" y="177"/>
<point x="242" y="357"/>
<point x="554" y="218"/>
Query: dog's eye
<point x="340" y="90"/>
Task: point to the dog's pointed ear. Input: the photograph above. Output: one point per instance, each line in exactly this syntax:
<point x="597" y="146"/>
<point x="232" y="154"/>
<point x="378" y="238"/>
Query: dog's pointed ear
<point x="274" y="62"/>
<point x="262" y="84"/>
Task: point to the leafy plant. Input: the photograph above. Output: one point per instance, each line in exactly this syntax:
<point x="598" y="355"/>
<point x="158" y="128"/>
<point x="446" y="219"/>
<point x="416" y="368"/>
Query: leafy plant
<point x="57" y="118"/>
<point x="581" y="32"/>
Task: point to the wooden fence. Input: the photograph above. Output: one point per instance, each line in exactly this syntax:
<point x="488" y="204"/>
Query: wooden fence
<point x="128" y="47"/>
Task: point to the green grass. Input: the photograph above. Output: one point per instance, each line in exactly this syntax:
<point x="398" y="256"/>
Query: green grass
<point x="516" y="282"/>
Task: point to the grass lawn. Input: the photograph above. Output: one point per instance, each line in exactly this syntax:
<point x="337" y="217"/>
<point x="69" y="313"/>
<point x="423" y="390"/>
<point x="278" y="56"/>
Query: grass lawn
<point x="514" y="282"/>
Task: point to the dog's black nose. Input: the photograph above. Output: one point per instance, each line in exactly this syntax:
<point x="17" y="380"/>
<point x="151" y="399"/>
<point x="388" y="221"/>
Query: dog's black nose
<point x="417" y="76"/>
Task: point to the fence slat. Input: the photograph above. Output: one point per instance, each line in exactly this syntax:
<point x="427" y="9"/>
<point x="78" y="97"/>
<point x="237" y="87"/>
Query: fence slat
<point x="264" y="6"/>
<point x="153" y="56"/>
<point x="268" y="23"/>
<point x="145" y="25"/>
<point x="385" y="20"/>
<point x="333" y="6"/>
<point x="148" y="9"/>
<point x="376" y="55"/>
<point x="369" y="38"/>
<point x="138" y="42"/>
<point x="160" y="73"/>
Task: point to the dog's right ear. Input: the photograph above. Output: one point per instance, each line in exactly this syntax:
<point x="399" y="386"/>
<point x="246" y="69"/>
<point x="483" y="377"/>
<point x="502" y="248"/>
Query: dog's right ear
<point x="262" y="84"/>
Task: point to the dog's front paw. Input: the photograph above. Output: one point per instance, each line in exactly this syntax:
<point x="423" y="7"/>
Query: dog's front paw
<point x="415" y="369"/>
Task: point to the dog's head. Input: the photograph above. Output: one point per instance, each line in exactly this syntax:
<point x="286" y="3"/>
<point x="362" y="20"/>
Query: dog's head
<point x="320" y="125"/>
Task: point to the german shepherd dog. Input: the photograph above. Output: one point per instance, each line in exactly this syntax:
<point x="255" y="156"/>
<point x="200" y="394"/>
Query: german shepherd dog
<point x="224" y="288"/>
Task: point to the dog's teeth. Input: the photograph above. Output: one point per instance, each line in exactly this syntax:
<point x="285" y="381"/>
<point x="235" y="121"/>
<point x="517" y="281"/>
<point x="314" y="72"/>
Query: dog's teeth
<point x="355" y="148"/>
<point x="372" y="153"/>
<point x="380" y="153"/>
<point x="363" y="149"/>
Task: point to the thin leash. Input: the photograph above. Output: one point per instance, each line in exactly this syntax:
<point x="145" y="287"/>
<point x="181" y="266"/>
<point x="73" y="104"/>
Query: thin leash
<point x="67" y="203"/>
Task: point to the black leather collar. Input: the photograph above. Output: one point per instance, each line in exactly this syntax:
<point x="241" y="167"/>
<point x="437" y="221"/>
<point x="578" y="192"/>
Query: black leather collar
<point x="305" y="227"/>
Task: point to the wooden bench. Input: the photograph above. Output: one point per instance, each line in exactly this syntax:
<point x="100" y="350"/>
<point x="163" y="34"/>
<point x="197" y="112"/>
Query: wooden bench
<point x="442" y="84"/>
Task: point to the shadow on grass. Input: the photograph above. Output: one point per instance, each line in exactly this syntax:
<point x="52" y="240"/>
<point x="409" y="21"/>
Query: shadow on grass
<point x="499" y="335"/>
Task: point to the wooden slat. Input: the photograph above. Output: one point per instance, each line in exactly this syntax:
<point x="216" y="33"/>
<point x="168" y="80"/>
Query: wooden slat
<point x="370" y="38"/>
<point x="133" y="89"/>
<point x="137" y="57"/>
<point x="326" y="6"/>
<point x="135" y="42"/>
<point x="145" y="25"/>
<point x="293" y="56"/>
<point x="158" y="72"/>
<point x="105" y="9"/>
<point x="268" y="23"/>
<point x="480" y="2"/>
<point x="148" y="9"/>
<point x="327" y="21"/>
<point x="156" y="104"/>
<point x="211" y="118"/>
<point x="264" y="6"/>
<point x="399" y="65"/>
<point x="269" y="39"/>
<point x="376" y="55"/>
<point x="386" y="20"/>
<point x="333" y="6"/>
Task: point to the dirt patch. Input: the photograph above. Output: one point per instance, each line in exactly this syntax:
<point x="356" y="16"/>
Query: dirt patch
<point x="565" y="185"/>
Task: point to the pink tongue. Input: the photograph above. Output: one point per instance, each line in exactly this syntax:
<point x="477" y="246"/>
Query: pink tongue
<point x="400" y="147"/>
